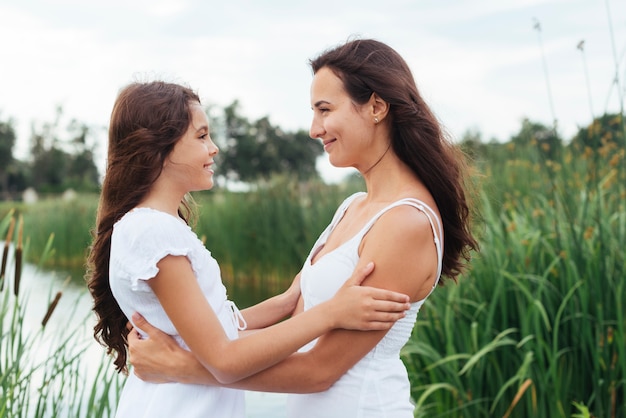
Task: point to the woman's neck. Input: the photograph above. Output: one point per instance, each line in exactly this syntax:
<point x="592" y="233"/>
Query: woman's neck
<point x="390" y="179"/>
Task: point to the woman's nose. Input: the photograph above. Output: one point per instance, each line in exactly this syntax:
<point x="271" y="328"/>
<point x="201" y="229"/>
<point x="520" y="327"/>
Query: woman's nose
<point x="317" y="130"/>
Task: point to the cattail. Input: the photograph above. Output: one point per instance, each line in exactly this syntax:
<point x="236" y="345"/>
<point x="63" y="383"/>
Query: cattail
<point x="5" y="252"/>
<point x="51" y="308"/>
<point x="18" y="256"/>
<point x="54" y="303"/>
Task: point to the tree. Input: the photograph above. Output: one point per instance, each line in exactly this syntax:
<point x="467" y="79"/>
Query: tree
<point x="536" y="135"/>
<point x="7" y="142"/>
<point x="58" y="164"/>
<point x="258" y="150"/>
<point x="607" y="130"/>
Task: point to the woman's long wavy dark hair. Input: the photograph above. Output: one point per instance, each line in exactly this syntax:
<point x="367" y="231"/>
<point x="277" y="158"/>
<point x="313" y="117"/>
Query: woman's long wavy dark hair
<point x="146" y="122"/>
<point x="368" y="66"/>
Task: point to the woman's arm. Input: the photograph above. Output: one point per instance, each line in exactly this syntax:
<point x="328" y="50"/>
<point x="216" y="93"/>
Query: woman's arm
<point x="406" y="261"/>
<point x="231" y="360"/>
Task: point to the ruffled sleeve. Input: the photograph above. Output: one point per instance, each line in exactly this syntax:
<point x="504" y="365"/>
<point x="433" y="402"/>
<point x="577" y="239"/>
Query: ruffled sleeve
<point x="144" y="237"/>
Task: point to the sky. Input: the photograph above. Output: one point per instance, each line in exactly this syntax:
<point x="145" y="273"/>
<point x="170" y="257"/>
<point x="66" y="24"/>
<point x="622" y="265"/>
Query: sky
<point x="482" y="65"/>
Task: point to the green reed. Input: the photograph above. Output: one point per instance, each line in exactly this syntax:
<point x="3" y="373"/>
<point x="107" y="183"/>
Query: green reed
<point x="43" y="371"/>
<point x="536" y="327"/>
<point x="67" y="223"/>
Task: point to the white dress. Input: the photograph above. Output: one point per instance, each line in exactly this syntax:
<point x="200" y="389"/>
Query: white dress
<point x="139" y="240"/>
<point x="378" y="385"/>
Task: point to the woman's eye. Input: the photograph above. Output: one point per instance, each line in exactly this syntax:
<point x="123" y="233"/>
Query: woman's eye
<point x="204" y="136"/>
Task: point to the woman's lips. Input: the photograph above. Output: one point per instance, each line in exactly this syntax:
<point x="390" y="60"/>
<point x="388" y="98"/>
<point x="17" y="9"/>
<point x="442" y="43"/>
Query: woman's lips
<point x="328" y="143"/>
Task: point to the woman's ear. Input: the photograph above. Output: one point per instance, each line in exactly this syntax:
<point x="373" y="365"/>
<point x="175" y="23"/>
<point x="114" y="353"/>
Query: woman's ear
<point x="380" y="108"/>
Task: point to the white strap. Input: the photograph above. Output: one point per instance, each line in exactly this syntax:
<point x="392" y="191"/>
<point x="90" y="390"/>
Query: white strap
<point x="430" y="214"/>
<point x="238" y="320"/>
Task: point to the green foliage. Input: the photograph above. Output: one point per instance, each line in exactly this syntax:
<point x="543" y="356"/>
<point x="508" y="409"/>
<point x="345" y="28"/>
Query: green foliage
<point x="536" y="327"/>
<point x="43" y="372"/>
<point x="68" y="222"/>
<point x="7" y="142"/>
<point x="63" y="158"/>
<point x="252" y="151"/>
<point x="607" y="130"/>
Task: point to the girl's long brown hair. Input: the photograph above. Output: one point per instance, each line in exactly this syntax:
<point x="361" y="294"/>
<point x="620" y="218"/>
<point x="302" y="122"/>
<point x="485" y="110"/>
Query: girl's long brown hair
<point x="368" y="66"/>
<point x="146" y="122"/>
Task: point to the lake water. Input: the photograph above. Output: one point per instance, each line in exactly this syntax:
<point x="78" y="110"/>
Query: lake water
<point x="40" y="287"/>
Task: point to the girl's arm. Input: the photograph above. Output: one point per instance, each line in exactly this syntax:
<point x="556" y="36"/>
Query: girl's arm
<point x="274" y="309"/>
<point x="405" y="261"/>
<point x="231" y="360"/>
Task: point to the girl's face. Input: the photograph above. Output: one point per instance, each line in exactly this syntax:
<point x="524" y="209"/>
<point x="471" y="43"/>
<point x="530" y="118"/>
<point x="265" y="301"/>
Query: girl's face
<point x="190" y="164"/>
<point x="344" y="127"/>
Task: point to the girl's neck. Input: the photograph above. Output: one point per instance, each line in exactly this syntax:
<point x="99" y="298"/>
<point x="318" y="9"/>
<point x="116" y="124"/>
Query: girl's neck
<point x="168" y="203"/>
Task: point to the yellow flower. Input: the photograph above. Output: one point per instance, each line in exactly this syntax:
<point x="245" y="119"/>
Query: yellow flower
<point x="614" y="161"/>
<point x="568" y="158"/>
<point x="604" y="151"/>
<point x="588" y="232"/>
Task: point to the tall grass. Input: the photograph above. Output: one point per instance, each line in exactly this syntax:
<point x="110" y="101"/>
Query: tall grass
<point x="43" y="371"/>
<point x="537" y="327"/>
<point x="66" y="222"/>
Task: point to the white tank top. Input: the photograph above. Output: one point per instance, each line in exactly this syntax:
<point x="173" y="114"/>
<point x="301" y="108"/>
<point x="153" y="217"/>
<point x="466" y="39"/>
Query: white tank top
<point x="378" y="385"/>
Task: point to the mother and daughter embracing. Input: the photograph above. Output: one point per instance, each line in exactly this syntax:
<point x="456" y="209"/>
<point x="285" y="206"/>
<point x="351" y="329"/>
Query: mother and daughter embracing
<point x="349" y="310"/>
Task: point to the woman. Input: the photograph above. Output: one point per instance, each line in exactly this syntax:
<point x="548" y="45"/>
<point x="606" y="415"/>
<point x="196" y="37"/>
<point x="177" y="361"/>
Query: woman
<point x="414" y="222"/>
<point x="146" y="258"/>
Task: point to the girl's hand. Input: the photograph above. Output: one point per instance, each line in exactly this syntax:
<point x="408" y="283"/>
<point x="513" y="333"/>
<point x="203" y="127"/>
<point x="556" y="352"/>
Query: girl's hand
<point x="292" y="295"/>
<point x="366" y="308"/>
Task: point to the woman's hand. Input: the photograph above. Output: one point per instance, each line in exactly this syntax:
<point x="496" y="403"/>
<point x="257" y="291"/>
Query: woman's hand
<point x="159" y="359"/>
<point x="366" y="308"/>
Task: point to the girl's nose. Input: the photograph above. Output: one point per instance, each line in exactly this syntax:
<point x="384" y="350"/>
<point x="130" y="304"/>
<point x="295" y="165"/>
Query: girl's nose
<point x="213" y="149"/>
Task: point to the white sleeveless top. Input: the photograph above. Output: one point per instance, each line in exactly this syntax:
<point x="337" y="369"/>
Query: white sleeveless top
<point x="139" y="241"/>
<point x="378" y="385"/>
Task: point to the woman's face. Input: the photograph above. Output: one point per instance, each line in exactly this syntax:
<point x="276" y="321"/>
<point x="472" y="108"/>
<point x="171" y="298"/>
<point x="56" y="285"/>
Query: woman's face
<point x="345" y="128"/>
<point x="190" y="164"/>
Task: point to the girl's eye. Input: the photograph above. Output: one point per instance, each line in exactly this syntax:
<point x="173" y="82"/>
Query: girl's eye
<point x="204" y="136"/>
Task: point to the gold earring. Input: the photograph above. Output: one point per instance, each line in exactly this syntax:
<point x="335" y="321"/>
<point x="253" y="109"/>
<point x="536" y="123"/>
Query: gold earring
<point x="375" y="120"/>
